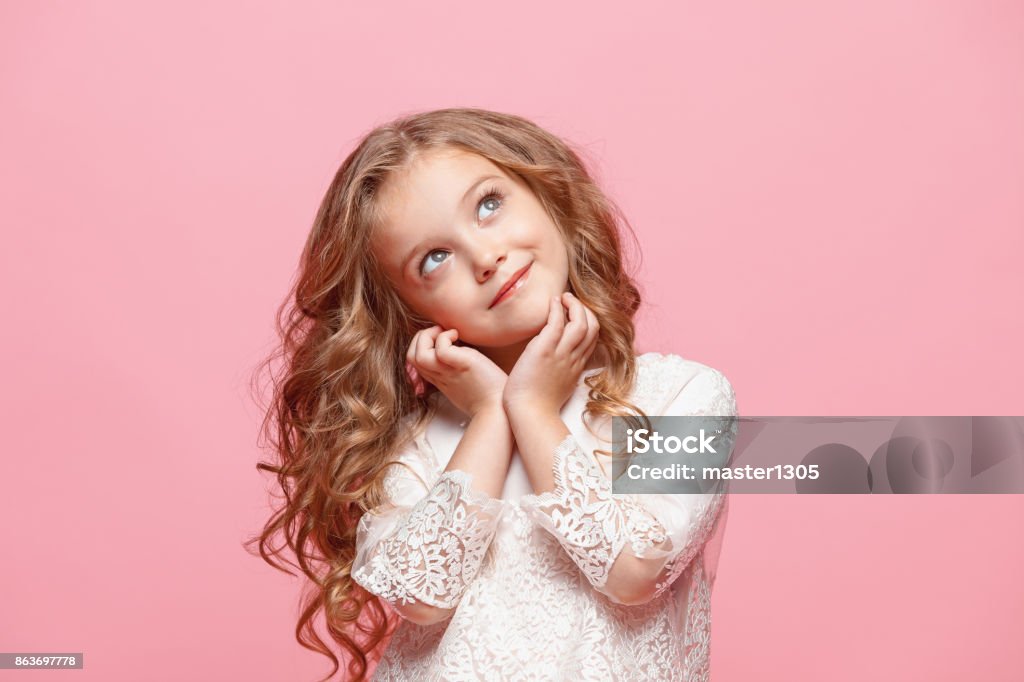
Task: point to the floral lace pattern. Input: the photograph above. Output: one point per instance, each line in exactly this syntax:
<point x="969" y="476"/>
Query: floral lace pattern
<point x="591" y="525"/>
<point x="594" y="527"/>
<point x="698" y="628"/>
<point x="438" y="547"/>
<point x="529" y="595"/>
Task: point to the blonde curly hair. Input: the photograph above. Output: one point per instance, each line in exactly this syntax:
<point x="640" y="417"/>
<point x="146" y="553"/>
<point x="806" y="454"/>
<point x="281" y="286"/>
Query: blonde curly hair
<point x="344" y="402"/>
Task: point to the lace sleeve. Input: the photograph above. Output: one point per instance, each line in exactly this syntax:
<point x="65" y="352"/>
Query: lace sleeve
<point x="426" y="544"/>
<point x="663" y="531"/>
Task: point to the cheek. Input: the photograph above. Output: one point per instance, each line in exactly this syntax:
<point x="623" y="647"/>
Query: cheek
<point x="449" y="310"/>
<point x="552" y="239"/>
<point x="427" y="309"/>
<point x="559" y="255"/>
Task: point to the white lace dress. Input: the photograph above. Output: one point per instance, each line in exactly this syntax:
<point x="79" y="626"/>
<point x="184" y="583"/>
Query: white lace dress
<point x="527" y="573"/>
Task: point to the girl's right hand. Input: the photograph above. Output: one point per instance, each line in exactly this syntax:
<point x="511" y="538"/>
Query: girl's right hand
<point x="467" y="377"/>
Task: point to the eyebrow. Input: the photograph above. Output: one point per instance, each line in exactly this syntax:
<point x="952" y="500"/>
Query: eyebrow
<point x="469" y="192"/>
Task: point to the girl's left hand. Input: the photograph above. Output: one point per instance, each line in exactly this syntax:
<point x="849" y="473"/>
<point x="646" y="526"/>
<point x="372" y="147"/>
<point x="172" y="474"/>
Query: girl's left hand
<point x="550" y="366"/>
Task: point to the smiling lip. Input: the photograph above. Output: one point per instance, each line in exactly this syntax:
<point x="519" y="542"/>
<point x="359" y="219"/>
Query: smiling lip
<point x="510" y="285"/>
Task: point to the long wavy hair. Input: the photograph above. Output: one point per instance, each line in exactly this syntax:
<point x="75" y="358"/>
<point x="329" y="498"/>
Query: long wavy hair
<point x="344" y="401"/>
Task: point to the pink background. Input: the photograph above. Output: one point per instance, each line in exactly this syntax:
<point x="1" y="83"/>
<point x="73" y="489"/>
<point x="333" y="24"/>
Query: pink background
<point x="828" y="196"/>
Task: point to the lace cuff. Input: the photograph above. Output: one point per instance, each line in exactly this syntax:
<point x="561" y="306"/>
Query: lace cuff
<point x="429" y="552"/>
<point x="663" y="531"/>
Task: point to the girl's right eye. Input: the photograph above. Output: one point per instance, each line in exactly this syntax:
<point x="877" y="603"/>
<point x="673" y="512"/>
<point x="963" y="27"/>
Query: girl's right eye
<point x="429" y="258"/>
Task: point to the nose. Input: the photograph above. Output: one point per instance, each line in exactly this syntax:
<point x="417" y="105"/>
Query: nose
<point x="487" y="259"/>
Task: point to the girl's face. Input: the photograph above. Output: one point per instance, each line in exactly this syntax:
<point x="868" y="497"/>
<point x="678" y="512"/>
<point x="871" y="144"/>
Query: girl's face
<point x="457" y="230"/>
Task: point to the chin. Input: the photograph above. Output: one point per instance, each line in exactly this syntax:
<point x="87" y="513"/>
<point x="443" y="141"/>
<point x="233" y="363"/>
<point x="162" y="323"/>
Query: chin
<point x="507" y="335"/>
<point x="530" y="322"/>
<point x="516" y="327"/>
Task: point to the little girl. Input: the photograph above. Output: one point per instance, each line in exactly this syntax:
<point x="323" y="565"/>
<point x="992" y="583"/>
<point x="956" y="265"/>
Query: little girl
<point x="461" y="335"/>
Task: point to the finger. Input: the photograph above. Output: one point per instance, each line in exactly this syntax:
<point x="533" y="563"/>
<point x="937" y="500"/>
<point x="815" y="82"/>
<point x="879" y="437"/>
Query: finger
<point x="443" y="340"/>
<point x="448" y="353"/>
<point x="410" y="353"/>
<point x="425" y="356"/>
<point x="576" y="329"/>
<point x="583" y="351"/>
<point x="593" y="329"/>
<point x="425" y="339"/>
<point x="581" y="354"/>
<point x="552" y="331"/>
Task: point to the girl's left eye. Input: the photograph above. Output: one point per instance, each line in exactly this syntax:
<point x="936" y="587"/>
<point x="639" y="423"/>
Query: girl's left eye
<point x="492" y="196"/>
